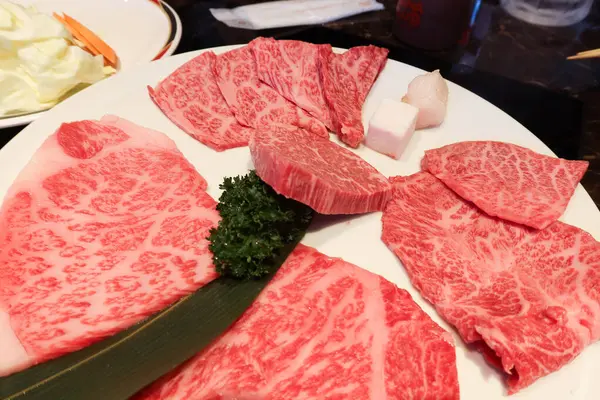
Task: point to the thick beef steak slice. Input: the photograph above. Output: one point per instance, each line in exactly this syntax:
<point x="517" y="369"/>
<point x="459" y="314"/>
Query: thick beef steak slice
<point x="317" y="172"/>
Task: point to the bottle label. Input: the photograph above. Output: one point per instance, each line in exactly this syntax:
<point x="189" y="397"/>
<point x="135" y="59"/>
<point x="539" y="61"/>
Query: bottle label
<point x="410" y="11"/>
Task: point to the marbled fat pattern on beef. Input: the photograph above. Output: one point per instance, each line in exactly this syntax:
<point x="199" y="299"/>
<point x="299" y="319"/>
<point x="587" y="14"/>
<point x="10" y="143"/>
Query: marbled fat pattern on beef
<point x="322" y="329"/>
<point x="530" y="299"/>
<point x="106" y="224"/>
<point x="317" y="172"/>
<point x="191" y="99"/>
<point x="291" y="67"/>
<point x="506" y="180"/>
<point x="254" y="103"/>
<point x="347" y="79"/>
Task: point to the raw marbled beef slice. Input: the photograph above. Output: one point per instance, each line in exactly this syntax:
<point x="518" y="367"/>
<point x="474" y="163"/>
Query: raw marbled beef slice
<point x="106" y="225"/>
<point x="347" y="79"/>
<point x="191" y="99"/>
<point x="506" y="180"/>
<point x="254" y="103"/>
<point x="322" y="329"/>
<point x="291" y="67"/>
<point x="530" y="300"/>
<point x="317" y="172"/>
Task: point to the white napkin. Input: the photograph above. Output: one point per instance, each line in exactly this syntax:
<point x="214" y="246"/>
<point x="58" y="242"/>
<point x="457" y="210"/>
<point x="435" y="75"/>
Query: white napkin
<point x="277" y="14"/>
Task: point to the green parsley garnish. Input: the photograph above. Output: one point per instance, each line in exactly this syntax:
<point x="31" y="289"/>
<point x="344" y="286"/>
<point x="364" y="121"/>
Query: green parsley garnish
<point x="256" y="224"/>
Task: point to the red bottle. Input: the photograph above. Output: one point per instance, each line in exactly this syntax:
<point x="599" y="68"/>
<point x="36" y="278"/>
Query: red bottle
<point x="432" y="24"/>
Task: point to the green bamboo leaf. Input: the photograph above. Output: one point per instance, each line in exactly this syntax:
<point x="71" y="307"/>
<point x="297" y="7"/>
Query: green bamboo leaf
<point x="119" y="366"/>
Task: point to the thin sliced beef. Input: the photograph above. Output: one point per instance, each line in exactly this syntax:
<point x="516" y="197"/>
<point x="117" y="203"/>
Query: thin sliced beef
<point x="322" y="329"/>
<point x="317" y="172"/>
<point x="191" y="99"/>
<point x="106" y="225"/>
<point x="529" y="299"/>
<point x="254" y="103"/>
<point x="506" y="180"/>
<point x="347" y="79"/>
<point x="291" y="67"/>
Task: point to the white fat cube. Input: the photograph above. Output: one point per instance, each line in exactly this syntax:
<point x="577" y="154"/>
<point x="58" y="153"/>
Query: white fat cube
<point x="391" y="127"/>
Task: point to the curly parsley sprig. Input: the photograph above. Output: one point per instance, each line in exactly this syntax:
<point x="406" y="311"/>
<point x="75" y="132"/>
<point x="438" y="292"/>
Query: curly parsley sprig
<point x="256" y="223"/>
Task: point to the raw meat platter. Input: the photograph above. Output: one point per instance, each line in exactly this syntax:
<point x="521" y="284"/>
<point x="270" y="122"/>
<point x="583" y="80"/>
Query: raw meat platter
<point x="436" y="219"/>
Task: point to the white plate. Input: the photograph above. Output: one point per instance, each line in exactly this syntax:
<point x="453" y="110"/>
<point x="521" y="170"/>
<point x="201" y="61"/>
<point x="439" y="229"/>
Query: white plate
<point x="136" y="29"/>
<point x="356" y="239"/>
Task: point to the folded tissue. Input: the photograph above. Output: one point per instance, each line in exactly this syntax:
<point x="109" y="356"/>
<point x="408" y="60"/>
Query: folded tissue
<point x="277" y="14"/>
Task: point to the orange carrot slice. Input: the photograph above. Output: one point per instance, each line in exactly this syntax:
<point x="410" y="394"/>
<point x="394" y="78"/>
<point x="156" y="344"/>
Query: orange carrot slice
<point x="88" y="46"/>
<point x="91" y="38"/>
<point x="162" y="52"/>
